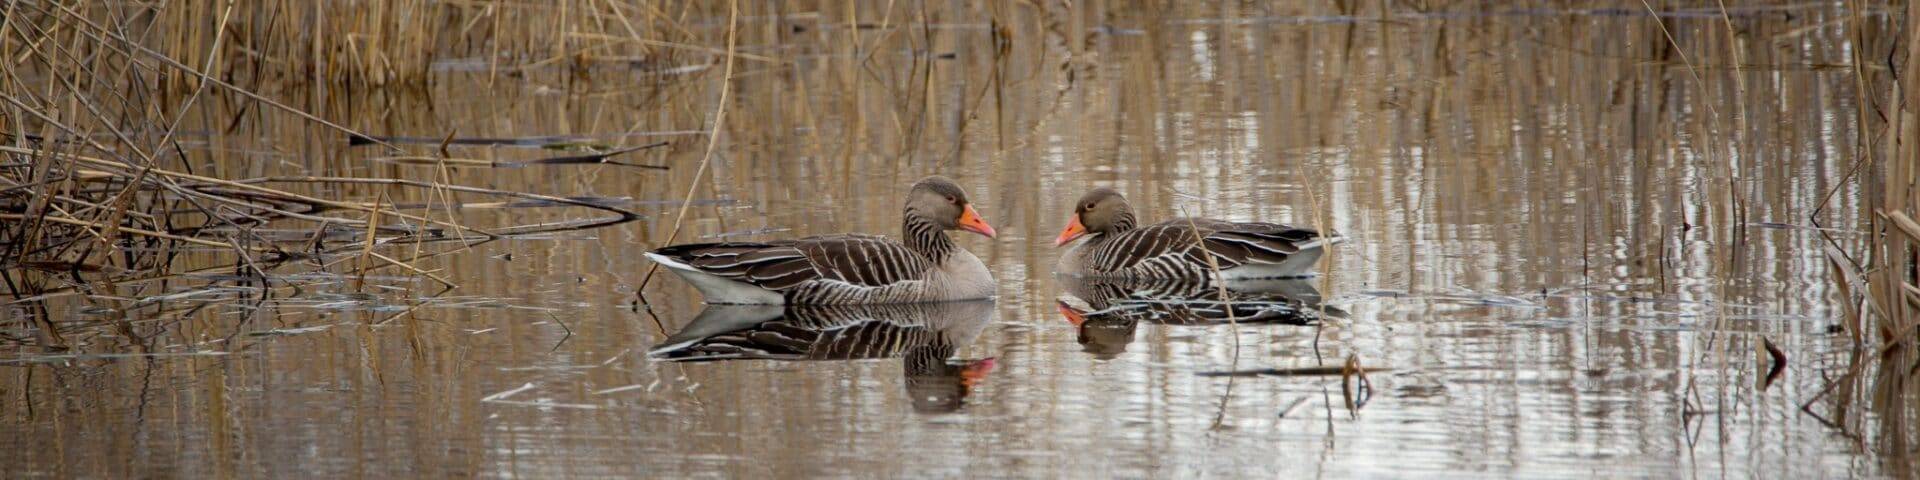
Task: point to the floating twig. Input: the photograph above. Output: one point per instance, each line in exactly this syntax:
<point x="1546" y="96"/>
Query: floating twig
<point x="563" y="325"/>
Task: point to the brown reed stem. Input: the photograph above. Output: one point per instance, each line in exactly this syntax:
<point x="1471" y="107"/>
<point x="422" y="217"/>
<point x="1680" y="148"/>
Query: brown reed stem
<point x="713" y="138"/>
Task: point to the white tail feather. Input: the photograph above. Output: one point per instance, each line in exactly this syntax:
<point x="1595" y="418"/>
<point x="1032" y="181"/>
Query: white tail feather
<point x="717" y="289"/>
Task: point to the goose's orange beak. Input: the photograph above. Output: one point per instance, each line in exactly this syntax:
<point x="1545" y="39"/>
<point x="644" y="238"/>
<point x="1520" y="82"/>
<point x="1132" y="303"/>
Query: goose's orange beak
<point x="1074" y="230"/>
<point x="1073" y="316"/>
<point x="970" y="221"/>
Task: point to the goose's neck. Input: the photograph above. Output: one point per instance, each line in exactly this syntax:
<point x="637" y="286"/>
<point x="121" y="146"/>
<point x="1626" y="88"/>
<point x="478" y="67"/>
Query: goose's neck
<point x="925" y="237"/>
<point x="1122" y="222"/>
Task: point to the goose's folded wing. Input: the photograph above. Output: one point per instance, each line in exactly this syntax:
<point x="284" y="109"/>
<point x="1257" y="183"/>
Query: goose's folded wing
<point x="1256" y="243"/>
<point x="1232" y="243"/>
<point x="858" y="259"/>
<point x="865" y="260"/>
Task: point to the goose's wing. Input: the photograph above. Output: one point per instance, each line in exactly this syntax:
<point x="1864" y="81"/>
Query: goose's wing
<point x="1242" y="243"/>
<point x="864" y="260"/>
<point x="1172" y="244"/>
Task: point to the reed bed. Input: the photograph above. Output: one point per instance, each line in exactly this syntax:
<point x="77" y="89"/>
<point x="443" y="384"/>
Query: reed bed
<point x="1877" y="280"/>
<point x="100" y="196"/>
<point x="396" y="42"/>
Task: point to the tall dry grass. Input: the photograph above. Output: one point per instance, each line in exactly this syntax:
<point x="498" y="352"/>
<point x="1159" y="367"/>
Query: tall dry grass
<point x="98" y="195"/>
<point x="1893" y="278"/>
<point x="381" y="42"/>
<point x="1879" y="283"/>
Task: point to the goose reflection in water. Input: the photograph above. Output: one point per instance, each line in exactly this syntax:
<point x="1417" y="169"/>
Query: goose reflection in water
<point x="1107" y="311"/>
<point x="924" y="336"/>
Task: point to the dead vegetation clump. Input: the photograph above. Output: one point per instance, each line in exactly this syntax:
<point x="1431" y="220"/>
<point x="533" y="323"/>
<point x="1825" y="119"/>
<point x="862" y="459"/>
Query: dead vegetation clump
<point x="100" y="196"/>
<point x="1877" y="279"/>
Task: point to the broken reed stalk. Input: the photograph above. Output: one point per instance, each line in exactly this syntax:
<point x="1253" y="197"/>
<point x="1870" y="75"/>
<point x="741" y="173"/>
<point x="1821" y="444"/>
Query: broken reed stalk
<point x="1715" y="347"/>
<point x="1886" y="278"/>
<point x="237" y="201"/>
<point x="137" y="231"/>
<point x="366" y="246"/>
<point x="1318" y="221"/>
<point x="1233" y="321"/>
<point x="1876" y="286"/>
<point x="250" y="202"/>
<point x="1894" y="277"/>
<point x="98" y="198"/>
<point x="713" y="141"/>
<point x="1219" y="281"/>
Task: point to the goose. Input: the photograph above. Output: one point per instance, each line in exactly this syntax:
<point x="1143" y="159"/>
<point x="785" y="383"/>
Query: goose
<point x="925" y="336"/>
<point x="1116" y="248"/>
<point x="848" y="268"/>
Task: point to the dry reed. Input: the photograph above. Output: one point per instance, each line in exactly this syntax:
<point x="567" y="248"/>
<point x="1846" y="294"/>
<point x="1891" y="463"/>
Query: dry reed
<point x="99" y="198"/>
<point x="1877" y="282"/>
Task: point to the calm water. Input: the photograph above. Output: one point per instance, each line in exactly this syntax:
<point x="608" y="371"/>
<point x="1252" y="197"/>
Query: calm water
<point x="1545" y="276"/>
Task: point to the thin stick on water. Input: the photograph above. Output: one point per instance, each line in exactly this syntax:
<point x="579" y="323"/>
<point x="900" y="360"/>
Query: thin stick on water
<point x="1318" y="222"/>
<point x="1715" y="348"/>
<point x="1233" y="322"/>
<point x="563" y="325"/>
<point x="713" y="141"/>
<point x="366" y="248"/>
<point x="407" y="266"/>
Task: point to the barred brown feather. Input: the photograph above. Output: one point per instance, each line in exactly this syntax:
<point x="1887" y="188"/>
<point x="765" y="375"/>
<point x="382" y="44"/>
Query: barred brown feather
<point x="1168" y="249"/>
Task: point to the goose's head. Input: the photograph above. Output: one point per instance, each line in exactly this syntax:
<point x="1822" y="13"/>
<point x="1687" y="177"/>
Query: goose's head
<point x="1102" y="210"/>
<point x="940" y="202"/>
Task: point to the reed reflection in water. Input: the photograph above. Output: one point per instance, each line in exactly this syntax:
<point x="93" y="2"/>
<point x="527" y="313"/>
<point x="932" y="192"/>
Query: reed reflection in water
<point x="1546" y="264"/>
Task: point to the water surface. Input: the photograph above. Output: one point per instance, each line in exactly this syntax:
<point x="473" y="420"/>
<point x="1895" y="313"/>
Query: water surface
<point x="1545" y="272"/>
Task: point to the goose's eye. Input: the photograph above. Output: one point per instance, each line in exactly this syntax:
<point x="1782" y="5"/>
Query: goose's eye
<point x="1088" y="207"/>
<point x="949" y="199"/>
